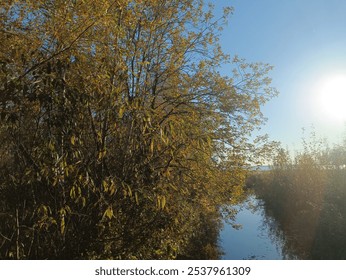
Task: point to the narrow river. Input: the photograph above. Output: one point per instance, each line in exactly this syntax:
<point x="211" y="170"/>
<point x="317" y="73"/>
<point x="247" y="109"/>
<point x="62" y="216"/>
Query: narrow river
<point x="254" y="239"/>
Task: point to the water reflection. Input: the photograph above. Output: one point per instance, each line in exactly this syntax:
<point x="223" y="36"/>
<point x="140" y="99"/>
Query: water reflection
<point x="257" y="238"/>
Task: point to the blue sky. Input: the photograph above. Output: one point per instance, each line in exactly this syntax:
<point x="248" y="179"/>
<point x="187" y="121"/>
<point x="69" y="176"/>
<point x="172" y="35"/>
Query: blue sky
<point x="305" y="41"/>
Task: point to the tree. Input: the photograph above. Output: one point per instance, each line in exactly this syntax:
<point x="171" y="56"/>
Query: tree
<point x="120" y="137"/>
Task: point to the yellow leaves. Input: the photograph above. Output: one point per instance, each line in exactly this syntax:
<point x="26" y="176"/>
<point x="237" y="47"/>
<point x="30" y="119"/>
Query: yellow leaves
<point x="151" y="149"/>
<point x="73" y="192"/>
<point x="167" y="173"/>
<point x="145" y="63"/>
<point x="202" y="64"/>
<point x="121" y="112"/>
<point x="43" y="210"/>
<point x="146" y="114"/>
<point x="108" y="186"/>
<point x="161" y="202"/>
<point x="127" y="191"/>
<point x="81" y="200"/>
<point x="62" y="214"/>
<point x="73" y="140"/>
<point x="76" y="196"/>
<point x="105" y="186"/>
<point x="108" y="213"/>
<point x="45" y="219"/>
<point x="164" y="137"/>
<point x="112" y="189"/>
<point x="173" y="187"/>
<point x="101" y="154"/>
<point x="51" y="146"/>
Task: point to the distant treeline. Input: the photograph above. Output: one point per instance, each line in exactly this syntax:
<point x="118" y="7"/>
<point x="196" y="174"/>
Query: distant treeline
<point x="306" y="195"/>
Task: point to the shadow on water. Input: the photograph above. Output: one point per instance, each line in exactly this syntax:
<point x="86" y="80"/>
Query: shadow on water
<point x="256" y="236"/>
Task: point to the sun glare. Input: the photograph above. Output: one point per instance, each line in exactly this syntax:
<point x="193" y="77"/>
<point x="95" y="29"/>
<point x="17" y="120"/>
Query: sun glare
<point x="332" y="98"/>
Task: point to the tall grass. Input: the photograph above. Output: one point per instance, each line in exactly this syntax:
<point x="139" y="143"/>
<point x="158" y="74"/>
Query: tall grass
<point x="306" y="195"/>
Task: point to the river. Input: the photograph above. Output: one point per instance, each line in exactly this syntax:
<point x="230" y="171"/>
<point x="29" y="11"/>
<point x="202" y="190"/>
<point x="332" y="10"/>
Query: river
<point x="254" y="240"/>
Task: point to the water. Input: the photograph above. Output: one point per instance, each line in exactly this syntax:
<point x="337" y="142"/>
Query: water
<point x="254" y="240"/>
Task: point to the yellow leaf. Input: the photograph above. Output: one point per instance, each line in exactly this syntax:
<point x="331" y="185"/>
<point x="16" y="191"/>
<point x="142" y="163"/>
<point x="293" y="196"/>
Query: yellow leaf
<point x="51" y="146"/>
<point x="105" y="186"/>
<point x="73" y="192"/>
<point x="102" y="154"/>
<point x="121" y="112"/>
<point x="68" y="209"/>
<point x="152" y="146"/>
<point x="83" y="201"/>
<point x="136" y="198"/>
<point x="73" y="139"/>
<point x="130" y="191"/>
<point x="163" y="202"/>
<point x="158" y="202"/>
<point x="62" y="223"/>
<point x="112" y="189"/>
<point x="108" y="213"/>
<point x="173" y="187"/>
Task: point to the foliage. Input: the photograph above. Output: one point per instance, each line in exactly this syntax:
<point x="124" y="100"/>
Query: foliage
<point x="119" y="135"/>
<point x="306" y="196"/>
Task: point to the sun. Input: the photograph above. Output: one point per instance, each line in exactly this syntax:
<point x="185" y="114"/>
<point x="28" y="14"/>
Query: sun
<point x="332" y="97"/>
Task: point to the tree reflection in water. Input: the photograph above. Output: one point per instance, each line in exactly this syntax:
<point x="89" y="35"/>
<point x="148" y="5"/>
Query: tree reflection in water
<point x="254" y="236"/>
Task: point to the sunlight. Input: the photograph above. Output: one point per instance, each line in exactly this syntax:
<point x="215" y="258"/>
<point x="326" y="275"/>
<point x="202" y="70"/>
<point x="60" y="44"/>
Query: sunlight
<point x="332" y="97"/>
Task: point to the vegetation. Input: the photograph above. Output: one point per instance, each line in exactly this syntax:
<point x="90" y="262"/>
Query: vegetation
<point x="120" y="138"/>
<point x="306" y="196"/>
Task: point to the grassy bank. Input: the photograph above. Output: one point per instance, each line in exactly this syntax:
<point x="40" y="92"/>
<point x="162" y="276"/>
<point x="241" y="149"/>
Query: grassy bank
<point x="306" y="195"/>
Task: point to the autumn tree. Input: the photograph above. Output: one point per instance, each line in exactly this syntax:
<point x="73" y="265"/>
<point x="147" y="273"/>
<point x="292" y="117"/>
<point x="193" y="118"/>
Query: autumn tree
<point x="120" y="138"/>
